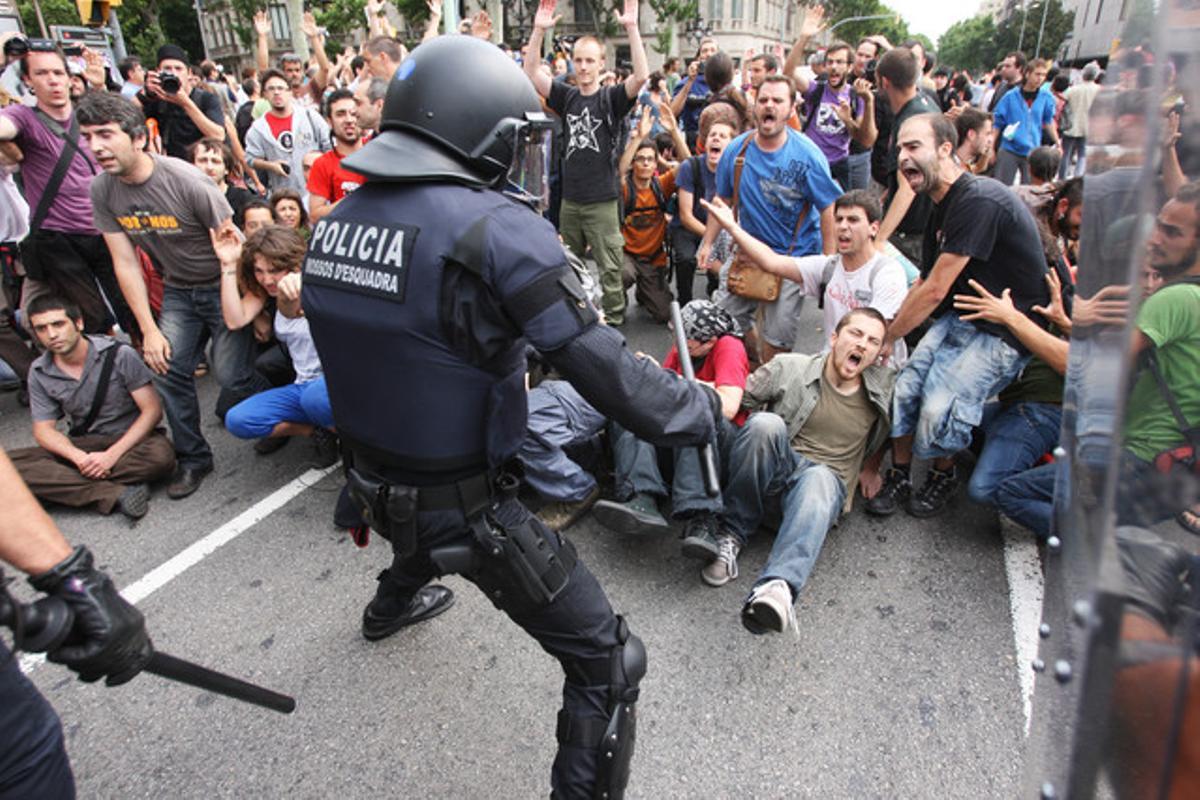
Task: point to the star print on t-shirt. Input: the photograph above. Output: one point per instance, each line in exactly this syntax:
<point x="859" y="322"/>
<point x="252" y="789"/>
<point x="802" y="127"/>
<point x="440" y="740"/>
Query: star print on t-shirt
<point x="582" y="130"/>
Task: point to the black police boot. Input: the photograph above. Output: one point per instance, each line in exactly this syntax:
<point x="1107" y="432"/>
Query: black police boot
<point x="390" y="610"/>
<point x="892" y="495"/>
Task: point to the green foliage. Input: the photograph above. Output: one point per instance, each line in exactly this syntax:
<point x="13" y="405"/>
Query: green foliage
<point x="55" y="12"/>
<point x="667" y="12"/>
<point x="894" y="27"/>
<point x="145" y="24"/>
<point x="978" y="44"/>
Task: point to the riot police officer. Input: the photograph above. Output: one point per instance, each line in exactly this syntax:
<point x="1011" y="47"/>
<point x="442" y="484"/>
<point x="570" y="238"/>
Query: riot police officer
<point x="421" y="290"/>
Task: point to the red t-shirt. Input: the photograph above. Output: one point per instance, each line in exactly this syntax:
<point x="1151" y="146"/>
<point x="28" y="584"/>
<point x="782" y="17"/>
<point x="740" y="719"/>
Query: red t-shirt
<point x="328" y="179"/>
<point x="725" y="365"/>
<point x="279" y="125"/>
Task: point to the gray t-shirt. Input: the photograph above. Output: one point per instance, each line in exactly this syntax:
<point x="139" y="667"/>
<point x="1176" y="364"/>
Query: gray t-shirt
<point x="169" y="216"/>
<point x="53" y="394"/>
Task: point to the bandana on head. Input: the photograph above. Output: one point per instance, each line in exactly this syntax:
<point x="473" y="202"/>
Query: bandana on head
<point x="704" y="320"/>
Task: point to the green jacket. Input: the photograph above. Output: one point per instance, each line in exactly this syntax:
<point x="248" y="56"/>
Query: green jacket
<point x="790" y="384"/>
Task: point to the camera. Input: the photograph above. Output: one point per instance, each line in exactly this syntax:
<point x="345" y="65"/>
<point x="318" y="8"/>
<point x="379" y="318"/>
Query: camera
<point x="869" y="72"/>
<point x="169" y="82"/>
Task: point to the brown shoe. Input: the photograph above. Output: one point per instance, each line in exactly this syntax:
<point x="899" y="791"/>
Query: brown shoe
<point x="561" y="515"/>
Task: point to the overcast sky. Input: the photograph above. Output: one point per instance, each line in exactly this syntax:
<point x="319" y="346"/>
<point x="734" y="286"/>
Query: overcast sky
<point x="931" y="18"/>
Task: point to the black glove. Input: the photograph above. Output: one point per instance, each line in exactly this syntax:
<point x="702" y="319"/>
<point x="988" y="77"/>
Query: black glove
<point x="108" y="636"/>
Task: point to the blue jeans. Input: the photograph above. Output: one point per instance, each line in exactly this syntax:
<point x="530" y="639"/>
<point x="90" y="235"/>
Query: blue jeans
<point x="558" y="417"/>
<point x="941" y="391"/>
<point x="33" y="762"/>
<point x="635" y="464"/>
<point x="257" y="415"/>
<point x="185" y="314"/>
<point x="1072" y="146"/>
<point x="763" y="464"/>
<point x="1028" y="498"/>
<point x="1015" y="437"/>
<point x="859" y="165"/>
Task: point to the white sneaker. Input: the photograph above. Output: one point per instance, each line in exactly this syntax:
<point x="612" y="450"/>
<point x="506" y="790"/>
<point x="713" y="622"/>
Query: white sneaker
<point x="770" y="608"/>
<point x="724" y="569"/>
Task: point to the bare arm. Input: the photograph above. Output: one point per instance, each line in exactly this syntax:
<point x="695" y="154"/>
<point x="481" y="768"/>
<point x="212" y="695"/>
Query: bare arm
<point x="435" y="20"/>
<point x="316" y="43"/>
<point x="686" y="217"/>
<point x="237" y="310"/>
<point x="763" y="256"/>
<point x="208" y="128"/>
<point x="899" y="206"/>
<point x="156" y="350"/>
<point x="863" y="129"/>
<point x="29" y="540"/>
<point x="681" y="94"/>
<point x="828" y="231"/>
<point x="544" y="19"/>
<point x="54" y="441"/>
<point x="150" y="414"/>
<point x="262" y="53"/>
<point x="1172" y="173"/>
<point x="637" y="50"/>
<point x="8" y="130"/>
<point x="813" y="19"/>
<point x="731" y="400"/>
<point x="319" y="207"/>
<point x="643" y="130"/>
<point x="925" y="297"/>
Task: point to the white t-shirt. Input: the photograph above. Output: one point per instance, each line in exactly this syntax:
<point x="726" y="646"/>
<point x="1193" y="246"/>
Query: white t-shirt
<point x="847" y="291"/>
<point x="295" y="336"/>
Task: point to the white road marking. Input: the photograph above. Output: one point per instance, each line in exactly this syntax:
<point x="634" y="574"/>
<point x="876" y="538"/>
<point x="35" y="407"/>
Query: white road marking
<point x="1024" y="571"/>
<point x="192" y="555"/>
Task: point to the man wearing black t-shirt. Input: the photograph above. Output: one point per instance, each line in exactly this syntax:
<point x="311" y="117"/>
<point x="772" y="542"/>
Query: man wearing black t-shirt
<point x="589" y="214"/>
<point x="979" y="234"/>
<point x="184" y="116"/>
<point x="897" y="72"/>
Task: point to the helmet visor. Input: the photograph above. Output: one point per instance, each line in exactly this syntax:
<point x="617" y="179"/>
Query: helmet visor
<point x="529" y="173"/>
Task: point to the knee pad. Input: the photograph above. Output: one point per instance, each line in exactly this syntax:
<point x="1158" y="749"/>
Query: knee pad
<point x="611" y="739"/>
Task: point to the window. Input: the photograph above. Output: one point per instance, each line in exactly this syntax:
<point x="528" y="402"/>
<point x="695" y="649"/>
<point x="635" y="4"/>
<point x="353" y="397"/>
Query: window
<point x="583" y="13"/>
<point x="280" y="30"/>
<point x="735" y="10"/>
<point x="716" y="10"/>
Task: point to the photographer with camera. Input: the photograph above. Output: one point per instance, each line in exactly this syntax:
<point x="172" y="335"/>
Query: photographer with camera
<point x="184" y="117"/>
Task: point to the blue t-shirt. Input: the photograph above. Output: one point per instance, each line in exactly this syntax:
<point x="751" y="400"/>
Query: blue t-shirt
<point x="1012" y="110"/>
<point x="775" y="187"/>
<point x="690" y="118"/>
<point x="684" y="179"/>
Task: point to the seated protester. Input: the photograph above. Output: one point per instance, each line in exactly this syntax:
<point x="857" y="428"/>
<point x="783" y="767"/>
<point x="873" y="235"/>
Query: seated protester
<point x="105" y="391"/>
<point x="268" y="265"/>
<point x="1043" y="167"/>
<point x="256" y="214"/>
<point x="696" y="180"/>
<point x="1023" y="425"/>
<point x="978" y="231"/>
<point x="287" y="207"/>
<point x="644" y="227"/>
<point x="857" y="276"/>
<point x="714" y="341"/>
<point x="214" y="158"/>
<point x="559" y="417"/>
<point x="820" y="426"/>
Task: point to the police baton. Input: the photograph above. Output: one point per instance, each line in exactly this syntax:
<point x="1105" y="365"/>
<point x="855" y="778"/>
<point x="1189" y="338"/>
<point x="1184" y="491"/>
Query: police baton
<point x="708" y="465"/>
<point x="44" y="625"/>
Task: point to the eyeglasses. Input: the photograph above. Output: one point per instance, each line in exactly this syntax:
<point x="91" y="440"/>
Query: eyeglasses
<point x="645" y="159"/>
<point x="275" y="88"/>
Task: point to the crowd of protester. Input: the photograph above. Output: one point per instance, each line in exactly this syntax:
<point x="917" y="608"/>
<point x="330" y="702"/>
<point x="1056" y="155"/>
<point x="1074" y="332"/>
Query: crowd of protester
<point x="932" y="214"/>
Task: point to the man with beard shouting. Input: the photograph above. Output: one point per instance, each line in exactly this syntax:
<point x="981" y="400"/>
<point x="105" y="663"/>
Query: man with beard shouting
<point x="979" y="231"/>
<point x="328" y="182"/>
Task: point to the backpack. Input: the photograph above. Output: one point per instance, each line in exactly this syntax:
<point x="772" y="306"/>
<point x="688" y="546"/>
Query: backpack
<point x="628" y="201"/>
<point x="827" y="274"/>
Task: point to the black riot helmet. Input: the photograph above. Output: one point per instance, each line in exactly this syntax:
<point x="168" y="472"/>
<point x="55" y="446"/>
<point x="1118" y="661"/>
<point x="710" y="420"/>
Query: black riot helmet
<point x="460" y="110"/>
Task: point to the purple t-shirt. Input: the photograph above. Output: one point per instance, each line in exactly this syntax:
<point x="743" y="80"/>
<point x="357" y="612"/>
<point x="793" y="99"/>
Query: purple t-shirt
<point x="827" y="130"/>
<point x="71" y="211"/>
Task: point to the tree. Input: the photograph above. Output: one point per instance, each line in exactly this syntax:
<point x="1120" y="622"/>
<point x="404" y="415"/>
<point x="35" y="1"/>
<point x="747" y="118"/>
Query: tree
<point x="969" y="44"/>
<point x="669" y="14"/>
<point x="894" y="27"/>
<point x="145" y="24"/>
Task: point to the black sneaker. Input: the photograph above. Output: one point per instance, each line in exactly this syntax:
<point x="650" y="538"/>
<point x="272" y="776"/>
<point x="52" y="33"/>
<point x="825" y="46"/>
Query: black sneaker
<point x="894" y="493"/>
<point x="271" y="444"/>
<point x="700" y="538"/>
<point x="325" y="442"/>
<point x="934" y="496"/>
<point x="134" y="502"/>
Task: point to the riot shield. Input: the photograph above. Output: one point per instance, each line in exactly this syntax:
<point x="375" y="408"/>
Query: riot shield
<point x="1116" y="709"/>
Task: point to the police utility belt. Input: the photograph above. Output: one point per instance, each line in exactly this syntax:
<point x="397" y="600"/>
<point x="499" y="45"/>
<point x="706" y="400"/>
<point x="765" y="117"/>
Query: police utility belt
<point x="516" y="565"/>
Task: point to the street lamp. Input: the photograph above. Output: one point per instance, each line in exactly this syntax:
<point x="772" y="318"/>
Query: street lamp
<point x="697" y="30"/>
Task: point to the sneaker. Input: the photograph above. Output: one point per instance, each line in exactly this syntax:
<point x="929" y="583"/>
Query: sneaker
<point x="724" y="568"/>
<point x="325" y="442"/>
<point x="134" y="502"/>
<point x="935" y="495"/>
<point x="895" y="492"/>
<point x="637" y="516"/>
<point x="770" y="608"/>
<point x="700" y="540"/>
<point x="562" y="514"/>
<point x="270" y="444"/>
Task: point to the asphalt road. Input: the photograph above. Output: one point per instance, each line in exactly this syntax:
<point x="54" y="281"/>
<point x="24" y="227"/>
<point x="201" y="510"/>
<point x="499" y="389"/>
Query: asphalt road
<point x="904" y="680"/>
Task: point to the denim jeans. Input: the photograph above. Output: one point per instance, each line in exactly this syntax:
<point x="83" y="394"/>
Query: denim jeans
<point x="558" y="417"/>
<point x="185" y="313"/>
<point x="1028" y="498"/>
<point x="635" y="464"/>
<point x="763" y="464"/>
<point x="1072" y="146"/>
<point x="941" y="391"/>
<point x="859" y="165"/>
<point x="1015" y="437"/>
<point x="257" y="416"/>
